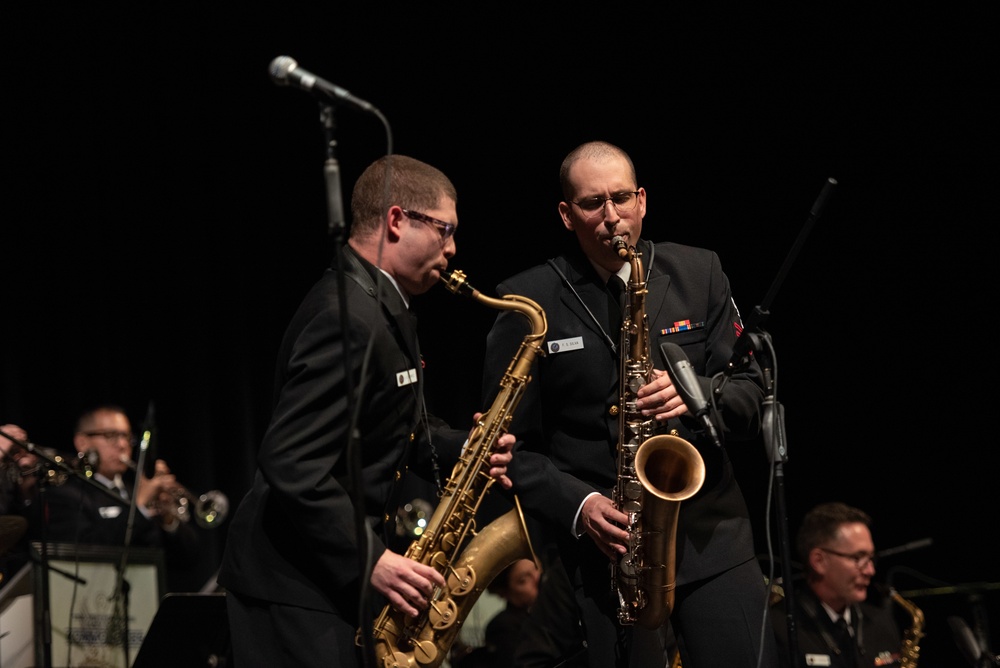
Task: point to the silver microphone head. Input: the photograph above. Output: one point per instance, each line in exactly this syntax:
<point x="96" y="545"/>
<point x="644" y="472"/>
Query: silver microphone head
<point x="280" y="69"/>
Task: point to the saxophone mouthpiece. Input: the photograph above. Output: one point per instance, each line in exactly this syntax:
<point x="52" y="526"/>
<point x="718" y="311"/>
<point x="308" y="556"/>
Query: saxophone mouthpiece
<point x="619" y="245"/>
<point x="455" y="282"/>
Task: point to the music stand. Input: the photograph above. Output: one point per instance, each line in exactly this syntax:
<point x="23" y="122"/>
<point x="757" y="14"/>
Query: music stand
<point x="188" y="630"/>
<point x="82" y="580"/>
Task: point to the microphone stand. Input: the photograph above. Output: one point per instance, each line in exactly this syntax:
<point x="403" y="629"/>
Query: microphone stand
<point x="337" y="228"/>
<point x="122" y="585"/>
<point x="755" y="340"/>
<point x="331" y="173"/>
<point x="281" y="73"/>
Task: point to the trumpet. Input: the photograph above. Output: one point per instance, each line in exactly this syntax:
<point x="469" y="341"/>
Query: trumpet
<point x="208" y="509"/>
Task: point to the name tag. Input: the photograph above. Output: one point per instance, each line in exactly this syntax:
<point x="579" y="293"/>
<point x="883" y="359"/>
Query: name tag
<point x="110" y="512"/>
<point x="565" y="345"/>
<point x="818" y="659"/>
<point x="407" y="377"/>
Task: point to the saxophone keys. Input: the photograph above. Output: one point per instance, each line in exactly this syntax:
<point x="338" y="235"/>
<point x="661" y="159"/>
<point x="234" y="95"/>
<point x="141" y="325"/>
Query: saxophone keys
<point x="397" y="660"/>
<point x="425" y="652"/>
<point x="442" y="615"/>
<point x="461" y="581"/>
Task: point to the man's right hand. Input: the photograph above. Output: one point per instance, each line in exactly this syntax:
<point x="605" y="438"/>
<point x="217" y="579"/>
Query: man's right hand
<point x="603" y="523"/>
<point x="408" y="584"/>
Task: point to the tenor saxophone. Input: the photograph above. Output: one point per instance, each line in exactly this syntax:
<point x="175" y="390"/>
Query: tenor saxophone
<point x="655" y="473"/>
<point x="909" y="652"/>
<point x="468" y="558"/>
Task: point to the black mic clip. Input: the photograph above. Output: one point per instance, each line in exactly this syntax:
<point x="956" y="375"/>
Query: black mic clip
<point x="750" y="341"/>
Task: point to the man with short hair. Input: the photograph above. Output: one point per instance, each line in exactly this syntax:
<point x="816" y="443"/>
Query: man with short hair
<point x="568" y="419"/>
<point x="836" y="623"/>
<point x="348" y="372"/>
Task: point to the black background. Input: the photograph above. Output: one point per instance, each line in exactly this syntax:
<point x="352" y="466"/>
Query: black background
<point x="166" y="209"/>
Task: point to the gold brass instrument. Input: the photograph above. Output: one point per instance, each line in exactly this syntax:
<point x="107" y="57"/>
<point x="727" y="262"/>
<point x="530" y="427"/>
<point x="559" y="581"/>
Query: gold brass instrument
<point x="468" y="558"/>
<point x="208" y="509"/>
<point x="909" y="653"/>
<point x="655" y="473"/>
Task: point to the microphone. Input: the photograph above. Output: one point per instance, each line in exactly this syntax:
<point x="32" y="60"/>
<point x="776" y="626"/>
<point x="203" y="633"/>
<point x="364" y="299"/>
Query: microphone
<point x="966" y="642"/>
<point x="686" y="381"/>
<point x="286" y="72"/>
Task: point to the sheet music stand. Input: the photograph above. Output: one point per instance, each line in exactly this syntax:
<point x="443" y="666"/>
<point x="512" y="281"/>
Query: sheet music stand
<point x="82" y="582"/>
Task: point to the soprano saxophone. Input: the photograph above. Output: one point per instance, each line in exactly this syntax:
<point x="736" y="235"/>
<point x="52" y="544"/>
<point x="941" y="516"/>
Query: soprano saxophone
<point x="469" y="559"/>
<point x="655" y="473"/>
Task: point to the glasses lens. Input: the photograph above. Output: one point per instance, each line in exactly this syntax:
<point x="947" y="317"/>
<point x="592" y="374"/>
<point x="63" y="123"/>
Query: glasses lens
<point x="624" y="201"/>
<point x="592" y="204"/>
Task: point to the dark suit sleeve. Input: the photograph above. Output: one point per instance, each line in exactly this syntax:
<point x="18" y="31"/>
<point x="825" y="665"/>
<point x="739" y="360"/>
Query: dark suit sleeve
<point x="307" y="439"/>
<point x="699" y="285"/>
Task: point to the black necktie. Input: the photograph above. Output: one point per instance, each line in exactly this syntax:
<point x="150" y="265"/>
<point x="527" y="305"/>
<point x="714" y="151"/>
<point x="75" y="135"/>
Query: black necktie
<point x="846" y="642"/>
<point x="615" y="305"/>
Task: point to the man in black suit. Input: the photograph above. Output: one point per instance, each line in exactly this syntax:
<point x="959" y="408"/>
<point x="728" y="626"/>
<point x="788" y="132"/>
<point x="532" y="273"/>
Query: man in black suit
<point x="348" y="388"/>
<point x="566" y="469"/>
<point x="80" y="512"/>
<point x="837" y="623"/>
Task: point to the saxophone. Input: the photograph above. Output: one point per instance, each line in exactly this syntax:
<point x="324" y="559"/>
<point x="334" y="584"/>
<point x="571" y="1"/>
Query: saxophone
<point x="468" y="559"/>
<point x="655" y="473"/>
<point x="909" y="653"/>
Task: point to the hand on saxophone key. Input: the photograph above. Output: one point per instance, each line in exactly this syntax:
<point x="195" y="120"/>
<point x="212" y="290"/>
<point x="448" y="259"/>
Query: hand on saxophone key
<point x="407" y="584"/>
<point x="659" y="398"/>
<point x="603" y="523"/>
<point x="501" y="457"/>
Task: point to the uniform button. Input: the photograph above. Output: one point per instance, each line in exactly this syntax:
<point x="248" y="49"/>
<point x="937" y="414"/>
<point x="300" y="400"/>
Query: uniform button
<point x="413" y="437"/>
<point x="398" y="475"/>
<point x="386" y="518"/>
<point x="613" y="411"/>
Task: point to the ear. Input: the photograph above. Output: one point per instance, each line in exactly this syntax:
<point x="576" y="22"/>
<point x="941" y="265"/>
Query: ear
<point x="817" y="561"/>
<point x="80" y="443"/>
<point x="394" y="218"/>
<point x="642" y="203"/>
<point x="564" y="214"/>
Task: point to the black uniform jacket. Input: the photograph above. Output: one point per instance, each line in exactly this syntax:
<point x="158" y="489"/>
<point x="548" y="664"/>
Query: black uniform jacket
<point x="293" y="538"/>
<point x="80" y="513"/>
<point x="877" y="624"/>
<point x="568" y="420"/>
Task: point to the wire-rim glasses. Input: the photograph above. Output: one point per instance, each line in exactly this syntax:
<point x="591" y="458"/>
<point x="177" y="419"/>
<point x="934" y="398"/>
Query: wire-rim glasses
<point x="623" y="202"/>
<point x="111" y="435"/>
<point x="860" y="559"/>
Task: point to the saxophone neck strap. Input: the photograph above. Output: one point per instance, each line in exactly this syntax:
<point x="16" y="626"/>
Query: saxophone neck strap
<point x="607" y="337"/>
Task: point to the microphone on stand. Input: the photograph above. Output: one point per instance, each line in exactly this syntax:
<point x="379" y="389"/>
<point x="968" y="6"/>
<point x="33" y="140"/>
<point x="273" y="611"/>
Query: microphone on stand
<point x="286" y="72"/>
<point x="686" y="381"/>
<point x="972" y="649"/>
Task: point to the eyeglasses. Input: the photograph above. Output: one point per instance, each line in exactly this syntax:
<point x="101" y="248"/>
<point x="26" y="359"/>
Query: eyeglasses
<point x="860" y="559"/>
<point x="111" y="435"/>
<point x="446" y="229"/>
<point x="622" y="201"/>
